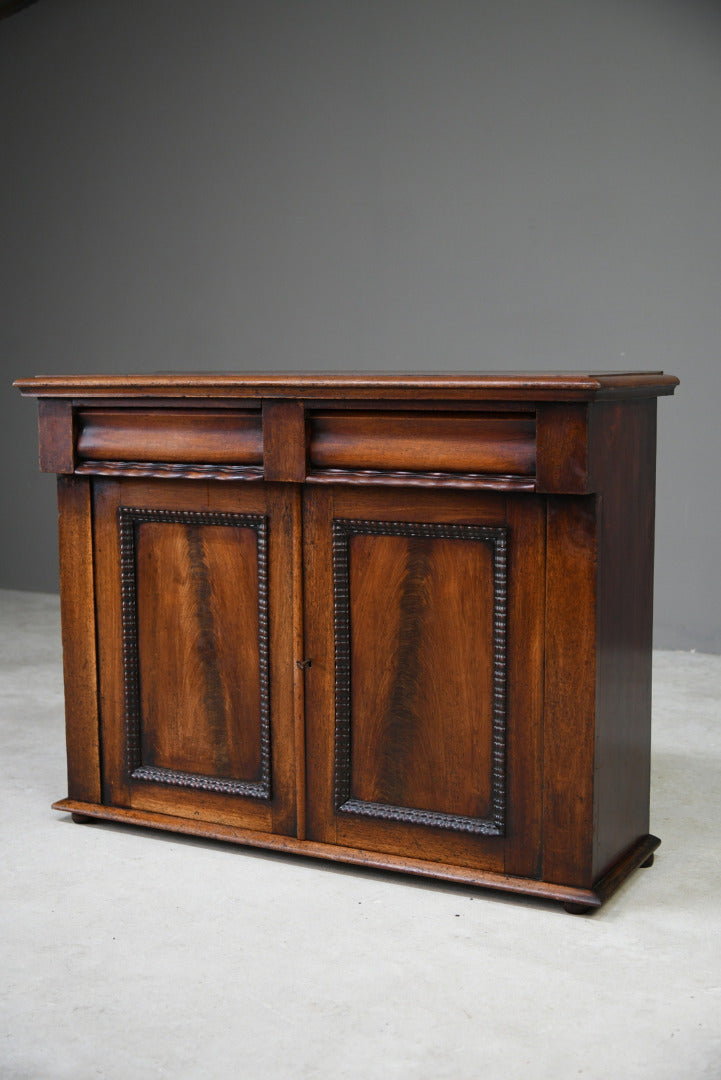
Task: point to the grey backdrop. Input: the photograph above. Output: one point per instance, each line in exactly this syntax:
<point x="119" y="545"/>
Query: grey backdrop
<point x="407" y="184"/>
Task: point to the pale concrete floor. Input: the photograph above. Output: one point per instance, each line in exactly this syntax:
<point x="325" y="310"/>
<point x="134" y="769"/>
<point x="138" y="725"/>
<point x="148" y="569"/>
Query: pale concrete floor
<point x="129" y="955"/>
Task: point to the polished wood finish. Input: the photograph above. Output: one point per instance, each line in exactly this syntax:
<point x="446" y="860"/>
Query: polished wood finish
<point x="578" y="901"/>
<point x="418" y="773"/>
<point x="189" y="657"/>
<point x="453" y="386"/>
<point x="57" y="436"/>
<point x="421" y="613"/>
<point x="294" y="526"/>
<point x="431" y="480"/>
<point x="399" y="442"/>
<point x="562" y="448"/>
<point x="401" y="621"/>
<point x="569" y="690"/>
<point x="170" y="435"/>
<point x="284" y="440"/>
<point x="625" y="525"/>
<point x="77" y="607"/>
<point x="202" y="687"/>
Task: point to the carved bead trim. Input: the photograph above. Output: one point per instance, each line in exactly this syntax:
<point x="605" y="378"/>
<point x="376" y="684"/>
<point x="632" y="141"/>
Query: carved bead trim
<point x="341" y="632"/>
<point x="129" y="518"/>
<point x="162" y="470"/>
<point x="475" y="481"/>
<point x="496" y="537"/>
<point x="202" y="783"/>
<point x="385" y="812"/>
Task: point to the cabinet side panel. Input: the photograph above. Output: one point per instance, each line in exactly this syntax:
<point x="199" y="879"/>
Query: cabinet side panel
<point x="78" y="629"/>
<point x="623" y="446"/>
<point x="570" y="681"/>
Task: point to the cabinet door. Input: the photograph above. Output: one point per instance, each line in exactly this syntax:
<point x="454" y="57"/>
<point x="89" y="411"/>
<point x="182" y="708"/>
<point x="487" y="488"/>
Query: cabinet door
<point x="424" y="624"/>
<point x="195" y="628"/>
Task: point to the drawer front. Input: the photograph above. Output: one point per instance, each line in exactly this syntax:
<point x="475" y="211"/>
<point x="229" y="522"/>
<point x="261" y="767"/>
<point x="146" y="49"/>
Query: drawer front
<point x="449" y="443"/>
<point x="214" y="436"/>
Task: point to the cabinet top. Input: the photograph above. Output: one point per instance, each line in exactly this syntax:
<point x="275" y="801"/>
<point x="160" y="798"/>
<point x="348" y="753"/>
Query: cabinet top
<point x="457" y="385"/>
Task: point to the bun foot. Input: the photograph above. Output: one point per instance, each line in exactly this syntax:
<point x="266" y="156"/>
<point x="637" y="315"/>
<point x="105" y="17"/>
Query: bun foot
<point x="81" y="819"/>
<point x="578" y="909"/>
<point x="649" y="861"/>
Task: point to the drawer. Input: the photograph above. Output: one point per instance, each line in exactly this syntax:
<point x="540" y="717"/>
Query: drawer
<point x="501" y="444"/>
<point x="212" y="437"/>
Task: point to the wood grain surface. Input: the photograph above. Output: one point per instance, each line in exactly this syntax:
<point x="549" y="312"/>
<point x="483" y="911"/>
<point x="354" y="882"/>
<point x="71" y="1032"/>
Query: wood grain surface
<point x="56" y="430"/>
<point x="399" y="620"/>
<point x="575" y="899"/>
<point x="198" y="651"/>
<point x="422" y="712"/>
<point x="284" y="440"/>
<point x="421" y="616"/>
<point x="454" y="385"/>
<point x="219" y="436"/>
<point x="400" y="441"/>
<point x="570" y="689"/>
<point x="77" y="610"/>
<point x="622" y="751"/>
<point x="198" y="643"/>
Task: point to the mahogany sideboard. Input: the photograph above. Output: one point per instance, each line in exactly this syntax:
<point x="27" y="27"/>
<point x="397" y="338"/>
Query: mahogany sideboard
<point x="396" y="620"/>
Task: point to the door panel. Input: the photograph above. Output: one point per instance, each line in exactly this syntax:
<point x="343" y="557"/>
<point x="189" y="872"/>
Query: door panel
<point x="410" y="710"/>
<point x="189" y="667"/>
<point x="419" y="617"/>
<point x="202" y="705"/>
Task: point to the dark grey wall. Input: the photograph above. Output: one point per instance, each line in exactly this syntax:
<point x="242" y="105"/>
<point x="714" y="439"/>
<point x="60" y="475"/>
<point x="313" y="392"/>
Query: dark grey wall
<point x="369" y="183"/>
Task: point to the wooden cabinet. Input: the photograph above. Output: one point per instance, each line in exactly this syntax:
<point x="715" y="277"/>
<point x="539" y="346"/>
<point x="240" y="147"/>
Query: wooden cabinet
<point x="403" y="621"/>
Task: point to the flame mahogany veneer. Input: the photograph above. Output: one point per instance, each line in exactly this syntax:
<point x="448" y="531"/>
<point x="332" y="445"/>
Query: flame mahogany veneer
<point x="396" y="620"/>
